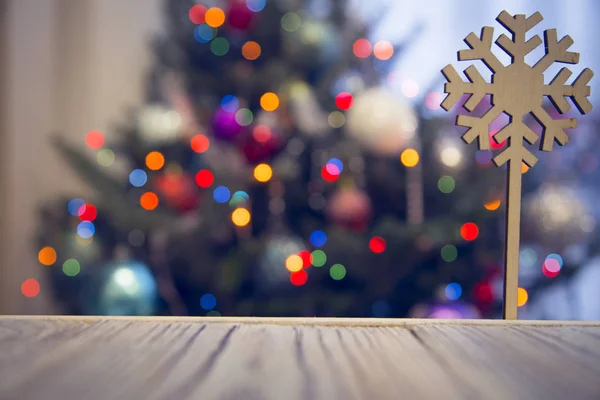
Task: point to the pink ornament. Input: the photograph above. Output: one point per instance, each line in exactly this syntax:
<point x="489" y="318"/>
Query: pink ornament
<point x="350" y="208"/>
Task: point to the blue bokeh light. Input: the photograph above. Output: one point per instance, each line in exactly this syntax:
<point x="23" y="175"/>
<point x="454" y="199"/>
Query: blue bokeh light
<point x="338" y="163"/>
<point x="556" y="257"/>
<point x="138" y="177"/>
<point x="453" y="291"/>
<point x="256" y="5"/>
<point x="318" y="238"/>
<point x="208" y="301"/>
<point x="204" y="33"/>
<point x="86" y="229"/>
<point x="230" y="103"/>
<point x="221" y="194"/>
<point x="74" y="206"/>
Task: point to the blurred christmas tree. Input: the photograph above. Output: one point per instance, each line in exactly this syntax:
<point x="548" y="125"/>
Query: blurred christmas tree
<point x="274" y="172"/>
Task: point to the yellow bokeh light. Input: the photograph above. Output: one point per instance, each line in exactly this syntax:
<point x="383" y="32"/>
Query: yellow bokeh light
<point x="269" y="101"/>
<point x="492" y="205"/>
<point x="240" y="217"/>
<point x="524" y="168"/>
<point x="47" y="256"/>
<point x="294" y="263"/>
<point x="263" y="172"/>
<point x="522" y="297"/>
<point x="214" y="17"/>
<point x="409" y="158"/>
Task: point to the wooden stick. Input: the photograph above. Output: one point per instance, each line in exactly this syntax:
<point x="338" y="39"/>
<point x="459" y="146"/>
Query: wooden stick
<point x="511" y="242"/>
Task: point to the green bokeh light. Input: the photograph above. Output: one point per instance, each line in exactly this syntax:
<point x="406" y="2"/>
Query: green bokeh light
<point x="71" y="267"/>
<point x="105" y="157"/>
<point x="290" y="22"/>
<point x="337" y="272"/>
<point x="219" y="46"/>
<point x="446" y="184"/>
<point x="449" y="253"/>
<point x="319" y="258"/>
<point x="244" y="117"/>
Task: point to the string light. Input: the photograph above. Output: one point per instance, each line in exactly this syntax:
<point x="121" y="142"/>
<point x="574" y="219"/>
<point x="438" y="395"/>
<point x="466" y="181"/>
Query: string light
<point x="47" y="256"/>
<point x="337" y="272"/>
<point x="469" y="231"/>
<point x="319" y="258"/>
<point x="298" y="278"/>
<point x="204" y="178"/>
<point x="263" y="172"/>
<point x="492" y="205"/>
<point x="240" y="217"/>
<point x="94" y="139"/>
<point x="522" y="297"/>
<point x="30" y="287"/>
<point x="409" y="158"/>
<point x="269" y="101"/>
<point x="318" y="238"/>
<point x="221" y="194"/>
<point x="200" y="143"/>
<point x="155" y="160"/>
<point x="251" y="50"/>
<point x="138" y="177"/>
<point x="294" y="263"/>
<point x="71" y="267"/>
<point x="214" y="17"/>
<point x="149" y="201"/>
<point x="377" y="244"/>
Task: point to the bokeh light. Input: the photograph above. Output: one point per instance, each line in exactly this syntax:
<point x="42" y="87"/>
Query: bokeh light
<point x="336" y="119"/>
<point x="204" y="178"/>
<point x="493" y="143"/>
<point x="483" y="292"/>
<point x="337" y="272"/>
<point x="47" y="256"/>
<point x="433" y="100"/>
<point x="318" y="238"/>
<point x="524" y="168"/>
<point x="105" y="157"/>
<point x="294" y="263"/>
<point x="86" y="229"/>
<point x="238" y="199"/>
<point x="298" y="278"/>
<point x="319" y="258"/>
<point x="383" y="50"/>
<point x="208" y="301"/>
<point x="492" y="205"/>
<point x="71" y="267"/>
<point x="451" y="156"/>
<point x="453" y="291"/>
<point x="263" y="172"/>
<point x="484" y="158"/>
<point x="262" y="133"/>
<point x="74" y="205"/>
<point x="446" y="184"/>
<point x="149" y="201"/>
<point x="377" y="244"/>
<point x="251" y="50"/>
<point x="221" y="194"/>
<point x="344" y="101"/>
<point x="214" y="17"/>
<point x="219" y="46"/>
<point x="155" y="160"/>
<point x="306" y="257"/>
<point x="30" y="287"/>
<point x="197" y="13"/>
<point x="244" y="117"/>
<point x="290" y="22"/>
<point x="362" y="48"/>
<point x="204" y="33"/>
<point x="200" y="143"/>
<point x="230" y="103"/>
<point x="410" y="88"/>
<point x="240" y="217"/>
<point x="469" y="231"/>
<point x="87" y="212"/>
<point x="330" y="174"/>
<point x="449" y="253"/>
<point x="552" y="265"/>
<point x="94" y="139"/>
<point x="138" y="177"/>
<point x="256" y="5"/>
<point x="269" y="101"/>
<point x="522" y="297"/>
<point x="409" y="158"/>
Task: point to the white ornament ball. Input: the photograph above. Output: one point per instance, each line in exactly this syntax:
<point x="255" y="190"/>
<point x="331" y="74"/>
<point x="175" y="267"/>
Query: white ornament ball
<point x="158" y="124"/>
<point x="381" y="122"/>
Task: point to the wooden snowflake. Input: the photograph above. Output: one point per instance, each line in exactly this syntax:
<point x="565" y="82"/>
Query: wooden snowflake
<point x="516" y="89"/>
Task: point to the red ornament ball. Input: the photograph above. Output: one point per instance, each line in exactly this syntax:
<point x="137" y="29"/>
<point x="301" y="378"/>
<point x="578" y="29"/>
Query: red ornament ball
<point x="261" y="144"/>
<point x="344" y="101"/>
<point x="350" y="208"/>
<point x="178" y="190"/>
<point x="298" y="278"/>
<point x="377" y="244"/>
<point x="469" y="231"/>
<point x="239" y="16"/>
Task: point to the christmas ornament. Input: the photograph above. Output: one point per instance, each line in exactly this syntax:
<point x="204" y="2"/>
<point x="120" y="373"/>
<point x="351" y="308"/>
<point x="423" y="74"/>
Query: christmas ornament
<point x="178" y="189"/>
<point x="518" y="90"/>
<point x="225" y="126"/>
<point x="381" y="122"/>
<point x="158" y="124"/>
<point x="120" y="288"/>
<point x="350" y="208"/>
<point x="264" y="140"/>
<point x="239" y="15"/>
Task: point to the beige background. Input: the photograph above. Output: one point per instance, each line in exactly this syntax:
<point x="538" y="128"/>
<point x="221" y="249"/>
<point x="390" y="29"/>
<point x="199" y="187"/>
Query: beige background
<point x="66" y="66"/>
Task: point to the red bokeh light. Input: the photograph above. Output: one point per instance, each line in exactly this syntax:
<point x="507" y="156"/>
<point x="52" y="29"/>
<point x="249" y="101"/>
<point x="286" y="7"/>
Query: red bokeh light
<point x="197" y="13"/>
<point x="298" y="278"/>
<point x="200" y="143"/>
<point x="306" y="257"/>
<point x="377" y="244"/>
<point x="328" y="176"/>
<point x="493" y="143"/>
<point x="94" y="139"/>
<point x="344" y="101"/>
<point x="261" y="133"/>
<point x="551" y="268"/>
<point x="204" y="178"/>
<point x="362" y="48"/>
<point x="469" y="231"/>
<point x="30" y="288"/>
<point x="483" y="292"/>
<point x="87" y="212"/>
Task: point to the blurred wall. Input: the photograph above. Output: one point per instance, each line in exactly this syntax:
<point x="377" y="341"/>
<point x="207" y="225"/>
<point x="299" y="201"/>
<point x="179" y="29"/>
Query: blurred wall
<point x="66" y="66"/>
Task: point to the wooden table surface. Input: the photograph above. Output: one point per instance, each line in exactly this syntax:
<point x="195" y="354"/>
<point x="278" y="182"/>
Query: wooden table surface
<point x="254" y="358"/>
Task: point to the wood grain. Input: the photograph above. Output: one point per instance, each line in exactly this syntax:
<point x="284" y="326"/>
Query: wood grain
<point x="304" y="358"/>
